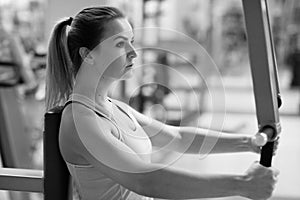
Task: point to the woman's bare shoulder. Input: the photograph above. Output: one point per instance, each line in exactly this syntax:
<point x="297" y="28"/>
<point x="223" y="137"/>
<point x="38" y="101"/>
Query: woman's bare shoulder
<point x="71" y="112"/>
<point x="77" y="112"/>
<point x="70" y="143"/>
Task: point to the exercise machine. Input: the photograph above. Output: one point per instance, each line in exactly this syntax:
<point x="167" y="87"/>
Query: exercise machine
<point x="264" y="75"/>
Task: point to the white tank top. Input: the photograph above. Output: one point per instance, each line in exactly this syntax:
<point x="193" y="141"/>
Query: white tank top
<point x="94" y="185"/>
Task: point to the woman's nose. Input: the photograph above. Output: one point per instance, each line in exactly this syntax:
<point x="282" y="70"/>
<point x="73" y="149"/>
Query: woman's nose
<point x="132" y="53"/>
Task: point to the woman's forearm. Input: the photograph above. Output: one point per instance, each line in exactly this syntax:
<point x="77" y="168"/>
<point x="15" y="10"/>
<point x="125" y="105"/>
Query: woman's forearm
<point x="179" y="184"/>
<point x="197" y="140"/>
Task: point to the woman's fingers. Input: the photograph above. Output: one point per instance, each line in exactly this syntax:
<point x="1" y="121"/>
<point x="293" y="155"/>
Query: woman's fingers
<point x="276" y="143"/>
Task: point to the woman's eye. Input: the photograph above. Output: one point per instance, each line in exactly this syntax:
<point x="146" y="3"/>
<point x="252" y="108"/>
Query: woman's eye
<point x="120" y="44"/>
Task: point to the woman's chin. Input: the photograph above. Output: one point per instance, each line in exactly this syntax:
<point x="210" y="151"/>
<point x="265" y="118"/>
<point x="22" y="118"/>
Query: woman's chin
<point x="127" y="74"/>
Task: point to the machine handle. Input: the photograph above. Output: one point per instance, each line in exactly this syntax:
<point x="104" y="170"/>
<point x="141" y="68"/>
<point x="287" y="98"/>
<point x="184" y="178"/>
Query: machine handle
<point x="266" y="154"/>
<point x="265" y="139"/>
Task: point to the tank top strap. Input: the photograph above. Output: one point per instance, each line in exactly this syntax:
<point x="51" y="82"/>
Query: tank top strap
<point x="73" y="99"/>
<point x="79" y="102"/>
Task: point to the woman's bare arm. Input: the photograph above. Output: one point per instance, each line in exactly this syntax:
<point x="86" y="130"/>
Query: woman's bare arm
<point x="198" y="140"/>
<point x="190" y="139"/>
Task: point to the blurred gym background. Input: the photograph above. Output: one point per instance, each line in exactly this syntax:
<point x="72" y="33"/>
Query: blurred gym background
<point x="217" y="25"/>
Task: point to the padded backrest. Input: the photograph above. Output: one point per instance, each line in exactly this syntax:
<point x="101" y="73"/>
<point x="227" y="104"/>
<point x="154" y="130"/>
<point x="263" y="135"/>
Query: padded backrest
<point x="56" y="175"/>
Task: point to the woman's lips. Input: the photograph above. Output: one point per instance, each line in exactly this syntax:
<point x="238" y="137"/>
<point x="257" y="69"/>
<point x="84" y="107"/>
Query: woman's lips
<point x="128" y="66"/>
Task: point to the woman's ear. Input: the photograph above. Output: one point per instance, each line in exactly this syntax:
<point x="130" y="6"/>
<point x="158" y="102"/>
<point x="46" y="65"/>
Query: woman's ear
<point x="86" y="56"/>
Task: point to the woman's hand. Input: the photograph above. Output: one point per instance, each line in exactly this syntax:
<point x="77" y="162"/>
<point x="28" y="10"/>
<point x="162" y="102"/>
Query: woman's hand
<point x="259" y="181"/>
<point x="256" y="147"/>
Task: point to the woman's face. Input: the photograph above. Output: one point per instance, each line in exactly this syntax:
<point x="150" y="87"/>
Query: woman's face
<point x="114" y="56"/>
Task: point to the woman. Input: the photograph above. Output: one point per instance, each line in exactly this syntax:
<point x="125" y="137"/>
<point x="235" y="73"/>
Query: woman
<point x="105" y="143"/>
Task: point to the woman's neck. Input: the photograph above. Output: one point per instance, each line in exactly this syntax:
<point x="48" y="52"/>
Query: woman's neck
<point x="91" y="86"/>
<point x="102" y="90"/>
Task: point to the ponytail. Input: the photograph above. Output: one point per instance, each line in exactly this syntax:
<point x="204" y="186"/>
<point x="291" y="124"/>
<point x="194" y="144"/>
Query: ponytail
<point x="59" y="73"/>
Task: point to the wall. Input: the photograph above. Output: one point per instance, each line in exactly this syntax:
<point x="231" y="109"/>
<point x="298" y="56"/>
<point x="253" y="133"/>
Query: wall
<point x="57" y="9"/>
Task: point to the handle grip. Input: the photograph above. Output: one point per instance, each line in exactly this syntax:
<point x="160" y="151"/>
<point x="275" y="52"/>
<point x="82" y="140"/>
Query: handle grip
<point x="266" y="138"/>
<point x="266" y="154"/>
